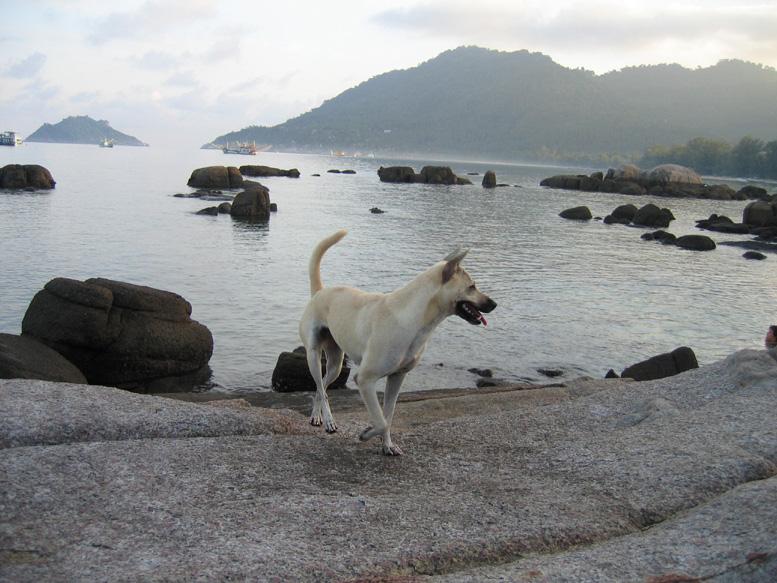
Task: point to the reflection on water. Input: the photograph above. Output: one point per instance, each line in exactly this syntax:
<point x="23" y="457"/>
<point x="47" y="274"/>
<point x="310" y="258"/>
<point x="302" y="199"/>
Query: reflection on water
<point x="580" y="297"/>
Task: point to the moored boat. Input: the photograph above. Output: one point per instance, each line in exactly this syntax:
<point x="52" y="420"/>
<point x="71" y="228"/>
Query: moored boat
<point x="106" y="143"/>
<point x="245" y="148"/>
<point x="9" y="138"/>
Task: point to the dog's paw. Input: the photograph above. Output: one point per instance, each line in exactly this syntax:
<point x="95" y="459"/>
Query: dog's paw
<point x="315" y="421"/>
<point x="330" y="427"/>
<point x="391" y="450"/>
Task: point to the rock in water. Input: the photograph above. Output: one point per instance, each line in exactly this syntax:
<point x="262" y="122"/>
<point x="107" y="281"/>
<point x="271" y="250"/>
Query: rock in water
<point x="216" y="177"/>
<point x="291" y="373"/>
<point x="489" y="179"/>
<point x="252" y="204"/>
<point x="17" y="176"/>
<point x="119" y="334"/>
<point x="578" y="213"/>
<point x="23" y="357"/>
<point x="662" y="365"/>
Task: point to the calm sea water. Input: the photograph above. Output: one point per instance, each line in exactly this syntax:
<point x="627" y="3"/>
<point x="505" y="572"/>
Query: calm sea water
<point x="580" y="297"/>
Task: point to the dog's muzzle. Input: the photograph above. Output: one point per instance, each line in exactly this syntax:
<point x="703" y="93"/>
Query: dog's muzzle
<point x="472" y="313"/>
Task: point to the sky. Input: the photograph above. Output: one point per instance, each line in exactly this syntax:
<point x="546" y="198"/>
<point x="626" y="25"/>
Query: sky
<point x="181" y="72"/>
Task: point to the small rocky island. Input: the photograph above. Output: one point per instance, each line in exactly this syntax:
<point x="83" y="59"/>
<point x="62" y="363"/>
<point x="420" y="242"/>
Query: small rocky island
<point x="428" y="175"/>
<point x="669" y="180"/>
<point x="82" y="129"/>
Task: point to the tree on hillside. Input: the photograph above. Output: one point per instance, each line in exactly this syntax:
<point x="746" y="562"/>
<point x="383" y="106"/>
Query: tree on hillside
<point x="746" y="158"/>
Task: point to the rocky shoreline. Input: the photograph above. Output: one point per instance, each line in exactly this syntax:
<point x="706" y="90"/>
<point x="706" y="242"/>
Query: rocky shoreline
<point x="665" y="480"/>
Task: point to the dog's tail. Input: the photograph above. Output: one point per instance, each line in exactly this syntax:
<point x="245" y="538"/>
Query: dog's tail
<point x="314" y="267"/>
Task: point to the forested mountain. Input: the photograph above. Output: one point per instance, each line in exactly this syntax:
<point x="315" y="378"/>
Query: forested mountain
<point x="81" y="129"/>
<point x="482" y="103"/>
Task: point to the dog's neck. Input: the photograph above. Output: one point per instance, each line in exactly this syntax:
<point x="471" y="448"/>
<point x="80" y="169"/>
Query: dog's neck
<point x="421" y="299"/>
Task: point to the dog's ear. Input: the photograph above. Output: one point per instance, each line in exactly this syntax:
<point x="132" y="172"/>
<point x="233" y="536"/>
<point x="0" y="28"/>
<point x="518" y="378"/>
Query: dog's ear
<point x="452" y="263"/>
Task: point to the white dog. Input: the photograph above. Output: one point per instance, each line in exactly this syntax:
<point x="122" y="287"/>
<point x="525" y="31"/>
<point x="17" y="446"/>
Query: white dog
<point x="385" y="334"/>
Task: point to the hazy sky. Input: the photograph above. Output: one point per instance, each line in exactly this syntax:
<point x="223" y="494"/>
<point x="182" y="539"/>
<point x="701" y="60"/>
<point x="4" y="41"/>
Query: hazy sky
<point x="173" y="71"/>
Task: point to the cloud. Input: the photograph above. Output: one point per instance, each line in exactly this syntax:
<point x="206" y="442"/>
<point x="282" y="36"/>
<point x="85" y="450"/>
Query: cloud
<point x="150" y="18"/>
<point x="26" y="68"/>
<point x="733" y="29"/>
<point x="182" y="79"/>
<point x="157" y="60"/>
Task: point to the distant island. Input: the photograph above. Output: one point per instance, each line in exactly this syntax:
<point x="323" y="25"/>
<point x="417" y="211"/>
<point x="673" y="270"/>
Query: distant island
<point x="511" y="106"/>
<point x="82" y="129"/>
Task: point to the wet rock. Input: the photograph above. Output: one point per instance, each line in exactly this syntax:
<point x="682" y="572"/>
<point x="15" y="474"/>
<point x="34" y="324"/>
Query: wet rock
<point x="695" y="243"/>
<point x="659" y="235"/>
<point x="211" y="210"/>
<point x="252" y="204"/>
<point x="268" y="171"/>
<point x="24" y="357"/>
<point x="751" y="191"/>
<point x="376" y="211"/>
<point x="117" y="333"/>
<point x="489" y="179"/>
<point x="225" y="208"/>
<point x="578" y="213"/>
<point x="216" y="177"/>
<point x="754" y="255"/>
<point x="482" y="372"/>
<point x="291" y="373"/>
<point x="652" y="216"/>
<point x="26" y="177"/>
<point x="663" y="365"/>
<point x="760" y="213"/>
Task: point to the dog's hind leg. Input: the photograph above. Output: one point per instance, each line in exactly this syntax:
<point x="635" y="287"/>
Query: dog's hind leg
<point x="334" y="364"/>
<point x="393" y="384"/>
<point x="314" y="365"/>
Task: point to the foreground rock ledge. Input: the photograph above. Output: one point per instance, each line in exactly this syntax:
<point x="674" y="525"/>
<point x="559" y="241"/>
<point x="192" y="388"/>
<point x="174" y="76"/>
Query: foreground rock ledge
<point x="559" y="482"/>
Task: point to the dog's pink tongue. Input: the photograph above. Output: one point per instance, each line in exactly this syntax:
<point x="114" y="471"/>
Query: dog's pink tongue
<point x="482" y="319"/>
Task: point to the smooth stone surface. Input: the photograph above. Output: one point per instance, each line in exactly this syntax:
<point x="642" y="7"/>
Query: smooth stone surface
<point x="592" y="477"/>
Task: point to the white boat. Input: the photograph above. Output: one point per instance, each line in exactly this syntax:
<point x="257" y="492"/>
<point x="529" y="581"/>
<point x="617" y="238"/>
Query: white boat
<point x="9" y="138"/>
<point x="106" y="143"/>
<point x="245" y="149"/>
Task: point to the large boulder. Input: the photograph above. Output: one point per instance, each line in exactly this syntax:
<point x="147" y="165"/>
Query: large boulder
<point x="216" y="177"/>
<point x="120" y="334"/>
<point x="252" y="204"/>
<point x="437" y="175"/>
<point x="23" y="357"/>
<point x="17" y="176"/>
<point x="652" y="216"/>
<point x="625" y="212"/>
<point x="291" y="373"/>
<point x="627" y="172"/>
<point x="565" y="181"/>
<point x="428" y="175"/>
<point x="663" y="365"/>
<point x="578" y="213"/>
<point x="268" y="171"/>
<point x="397" y="174"/>
<point x="760" y="213"/>
<point x="754" y="192"/>
<point x="695" y="243"/>
<point x="489" y="179"/>
<point x="671" y="173"/>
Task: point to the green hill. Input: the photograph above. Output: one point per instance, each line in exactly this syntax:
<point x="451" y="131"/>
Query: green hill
<point x="476" y="102"/>
<point x="81" y="129"/>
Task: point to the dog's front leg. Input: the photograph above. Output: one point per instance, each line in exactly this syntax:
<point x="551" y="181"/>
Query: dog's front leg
<point x="393" y="384"/>
<point x="366" y="384"/>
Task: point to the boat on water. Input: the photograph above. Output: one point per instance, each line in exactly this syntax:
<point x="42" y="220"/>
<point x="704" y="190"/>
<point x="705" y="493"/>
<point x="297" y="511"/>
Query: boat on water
<point x="106" y="143"/>
<point x="245" y="149"/>
<point x="10" y="138"/>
